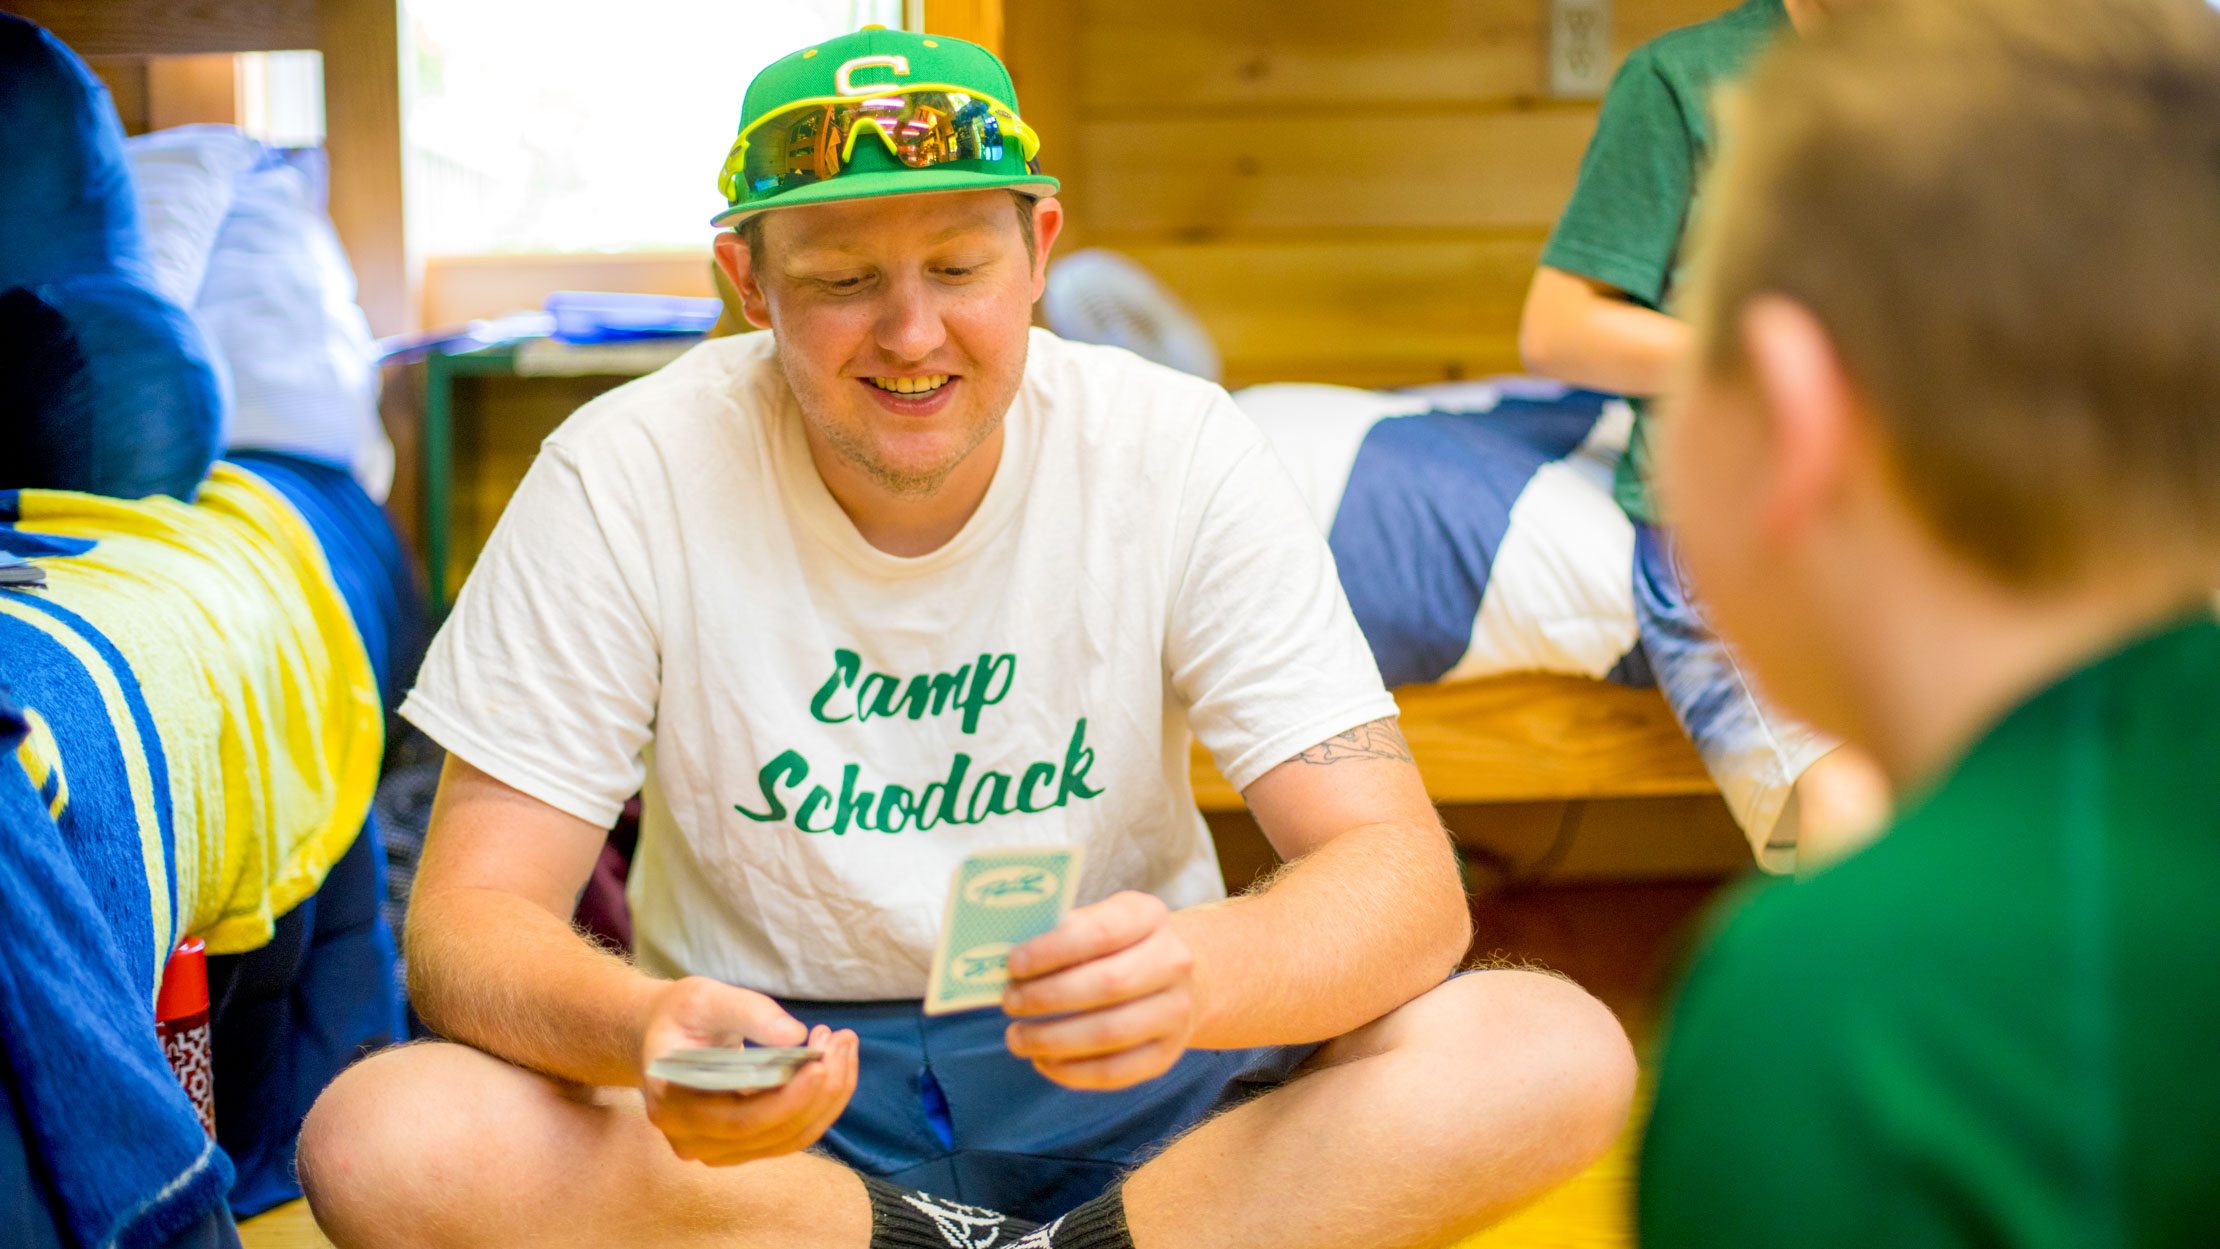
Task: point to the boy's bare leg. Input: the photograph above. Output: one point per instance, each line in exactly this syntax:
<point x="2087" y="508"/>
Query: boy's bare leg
<point x="1437" y="1120"/>
<point x="440" y="1145"/>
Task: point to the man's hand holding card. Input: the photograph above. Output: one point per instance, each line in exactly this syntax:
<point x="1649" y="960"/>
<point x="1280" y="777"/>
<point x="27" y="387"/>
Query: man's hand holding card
<point x="727" y="1125"/>
<point x="1106" y="999"/>
<point x="1102" y="996"/>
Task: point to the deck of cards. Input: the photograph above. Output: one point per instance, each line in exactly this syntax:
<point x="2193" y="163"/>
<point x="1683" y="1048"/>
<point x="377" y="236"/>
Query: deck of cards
<point x="999" y="899"/>
<point x="755" y="1069"/>
<point x="21" y="573"/>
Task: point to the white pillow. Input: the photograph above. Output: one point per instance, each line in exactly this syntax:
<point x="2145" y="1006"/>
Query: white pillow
<point x="279" y="302"/>
<point x="184" y="179"/>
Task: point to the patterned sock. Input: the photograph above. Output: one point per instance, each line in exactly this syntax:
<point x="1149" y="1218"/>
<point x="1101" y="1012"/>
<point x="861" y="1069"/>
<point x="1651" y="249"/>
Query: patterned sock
<point x="1099" y="1224"/>
<point x="904" y="1218"/>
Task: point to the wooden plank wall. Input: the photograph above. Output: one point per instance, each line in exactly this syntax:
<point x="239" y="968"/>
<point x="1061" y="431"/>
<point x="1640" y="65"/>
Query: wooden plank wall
<point x="977" y="20"/>
<point x="1351" y="193"/>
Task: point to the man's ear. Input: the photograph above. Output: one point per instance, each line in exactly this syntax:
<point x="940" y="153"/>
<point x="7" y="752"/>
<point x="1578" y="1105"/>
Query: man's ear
<point x="739" y="268"/>
<point x="1811" y="410"/>
<point x="1048" y="222"/>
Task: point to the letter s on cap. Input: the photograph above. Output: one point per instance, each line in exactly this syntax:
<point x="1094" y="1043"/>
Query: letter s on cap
<point x="847" y="85"/>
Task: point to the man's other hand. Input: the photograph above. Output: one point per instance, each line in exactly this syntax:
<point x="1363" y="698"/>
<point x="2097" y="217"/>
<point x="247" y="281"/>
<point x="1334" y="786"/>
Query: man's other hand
<point x="1106" y="999"/>
<point x="724" y="1129"/>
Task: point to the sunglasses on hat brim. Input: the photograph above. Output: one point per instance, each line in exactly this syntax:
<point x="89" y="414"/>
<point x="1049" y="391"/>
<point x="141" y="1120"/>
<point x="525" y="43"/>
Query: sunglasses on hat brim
<point x="812" y="140"/>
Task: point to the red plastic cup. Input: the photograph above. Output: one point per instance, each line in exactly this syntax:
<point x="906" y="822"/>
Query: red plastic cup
<point x="181" y="1022"/>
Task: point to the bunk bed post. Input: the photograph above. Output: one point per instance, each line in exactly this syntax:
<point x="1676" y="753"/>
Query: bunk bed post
<point x="361" y="43"/>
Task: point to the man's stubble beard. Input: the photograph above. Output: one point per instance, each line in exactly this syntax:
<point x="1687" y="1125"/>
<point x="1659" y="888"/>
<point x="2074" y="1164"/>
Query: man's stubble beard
<point x="857" y="453"/>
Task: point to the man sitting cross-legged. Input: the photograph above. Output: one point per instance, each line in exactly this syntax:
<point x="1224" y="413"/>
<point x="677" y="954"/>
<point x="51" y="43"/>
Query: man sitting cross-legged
<point x="898" y="581"/>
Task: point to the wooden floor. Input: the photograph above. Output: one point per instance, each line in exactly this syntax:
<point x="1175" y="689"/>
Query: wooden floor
<point x="1590" y="1212"/>
<point x="290" y="1226"/>
<point x="1622" y="941"/>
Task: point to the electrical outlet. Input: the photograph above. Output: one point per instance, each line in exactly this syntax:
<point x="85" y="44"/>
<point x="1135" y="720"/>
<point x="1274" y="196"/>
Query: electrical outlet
<point x="1579" y="48"/>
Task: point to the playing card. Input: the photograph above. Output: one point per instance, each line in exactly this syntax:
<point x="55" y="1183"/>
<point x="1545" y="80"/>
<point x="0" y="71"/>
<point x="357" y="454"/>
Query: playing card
<point x="999" y="899"/>
<point x="17" y="571"/>
<point x="721" y="1070"/>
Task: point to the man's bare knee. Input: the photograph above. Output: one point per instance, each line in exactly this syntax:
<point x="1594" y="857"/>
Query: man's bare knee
<point x="1508" y="1066"/>
<point x="1566" y="1047"/>
<point x="394" y="1150"/>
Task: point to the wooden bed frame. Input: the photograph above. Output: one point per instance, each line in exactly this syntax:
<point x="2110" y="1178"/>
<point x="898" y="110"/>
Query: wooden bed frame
<point x="360" y="41"/>
<point x="1528" y="738"/>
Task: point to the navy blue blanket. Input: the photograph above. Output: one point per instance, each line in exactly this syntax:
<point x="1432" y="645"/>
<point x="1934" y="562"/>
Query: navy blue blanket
<point x="1427" y="507"/>
<point x="1472" y="523"/>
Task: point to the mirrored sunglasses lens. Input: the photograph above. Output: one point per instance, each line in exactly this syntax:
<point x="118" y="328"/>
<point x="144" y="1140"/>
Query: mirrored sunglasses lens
<point x="793" y="150"/>
<point x="923" y="129"/>
<point x="938" y="127"/>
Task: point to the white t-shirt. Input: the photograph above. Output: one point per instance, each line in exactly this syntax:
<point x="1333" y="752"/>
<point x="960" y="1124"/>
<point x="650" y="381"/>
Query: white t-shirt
<point x="825" y="730"/>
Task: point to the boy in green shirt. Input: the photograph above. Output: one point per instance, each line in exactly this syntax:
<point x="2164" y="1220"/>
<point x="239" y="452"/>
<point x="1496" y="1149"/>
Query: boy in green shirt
<point x="1596" y="316"/>
<point x="1946" y="468"/>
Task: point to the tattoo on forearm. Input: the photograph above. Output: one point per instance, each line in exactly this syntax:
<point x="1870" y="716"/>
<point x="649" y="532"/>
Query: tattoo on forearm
<point x="1378" y="740"/>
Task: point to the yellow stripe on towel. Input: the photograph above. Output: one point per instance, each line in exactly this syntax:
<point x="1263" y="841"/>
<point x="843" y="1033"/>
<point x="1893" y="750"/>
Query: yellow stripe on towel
<point x="41" y="757"/>
<point x="257" y="681"/>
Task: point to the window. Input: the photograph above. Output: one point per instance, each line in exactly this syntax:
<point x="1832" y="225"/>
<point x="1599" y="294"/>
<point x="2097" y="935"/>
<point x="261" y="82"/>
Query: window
<point x="577" y="125"/>
<point x="281" y="97"/>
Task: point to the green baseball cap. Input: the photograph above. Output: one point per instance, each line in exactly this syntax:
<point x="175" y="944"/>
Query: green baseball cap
<point x="877" y="65"/>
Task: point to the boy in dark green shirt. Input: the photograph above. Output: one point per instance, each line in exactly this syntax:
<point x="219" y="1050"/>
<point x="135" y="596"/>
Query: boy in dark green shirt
<point x="1597" y="316"/>
<point x="1947" y="469"/>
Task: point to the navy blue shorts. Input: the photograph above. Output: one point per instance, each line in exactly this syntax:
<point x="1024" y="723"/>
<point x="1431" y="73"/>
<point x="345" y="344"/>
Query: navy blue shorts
<point x="942" y="1105"/>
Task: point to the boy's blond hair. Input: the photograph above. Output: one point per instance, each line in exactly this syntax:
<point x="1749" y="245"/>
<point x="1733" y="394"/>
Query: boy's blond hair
<point x="2007" y="215"/>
